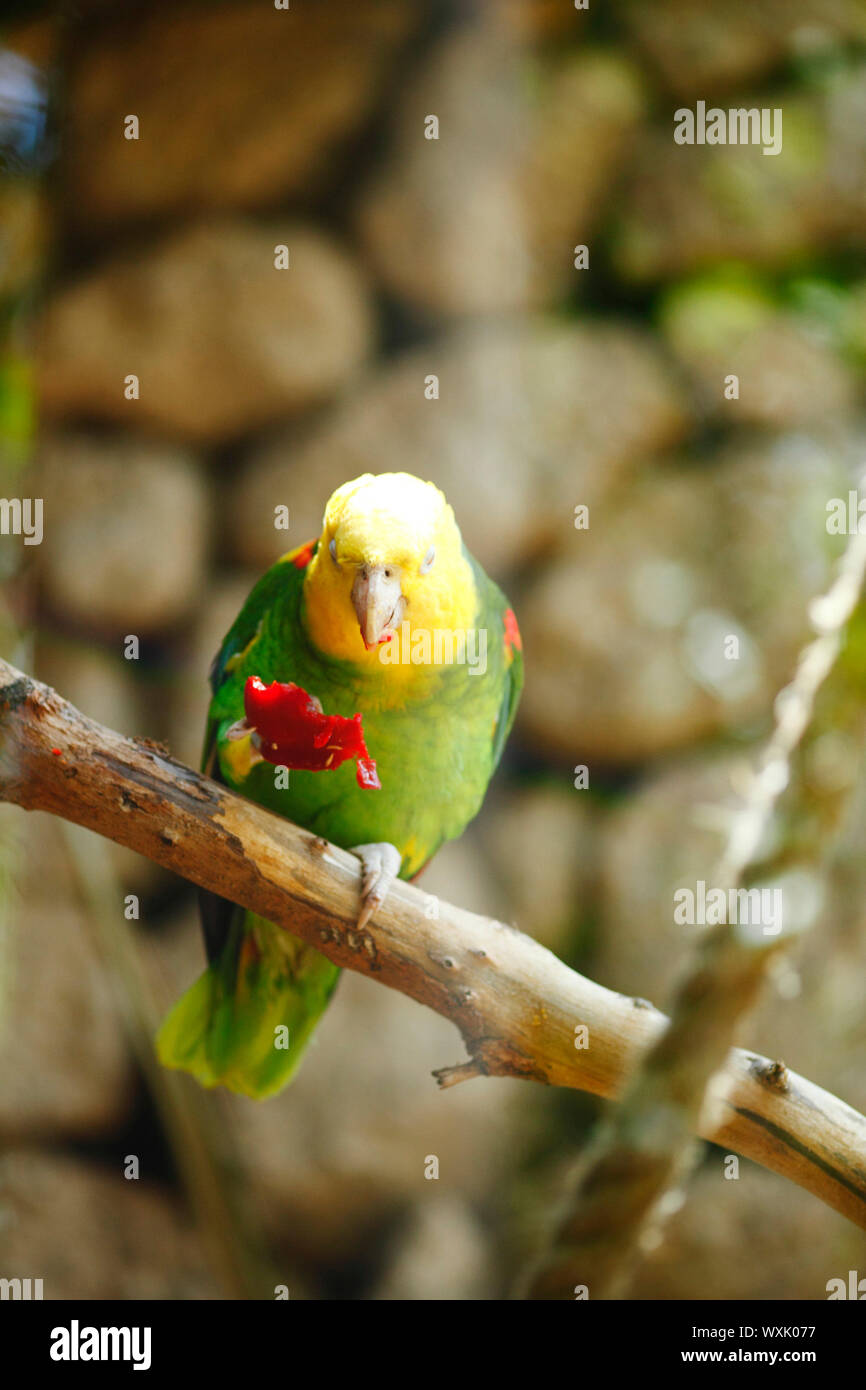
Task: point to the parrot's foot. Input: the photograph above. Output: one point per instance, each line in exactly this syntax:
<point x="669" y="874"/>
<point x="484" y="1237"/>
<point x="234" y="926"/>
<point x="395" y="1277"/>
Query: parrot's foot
<point x="381" y="866"/>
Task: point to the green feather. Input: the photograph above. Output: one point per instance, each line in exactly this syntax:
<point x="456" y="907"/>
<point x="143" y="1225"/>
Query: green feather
<point x="246" y="1021"/>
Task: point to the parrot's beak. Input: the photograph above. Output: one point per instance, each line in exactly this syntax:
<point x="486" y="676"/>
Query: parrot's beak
<point x="378" y="601"/>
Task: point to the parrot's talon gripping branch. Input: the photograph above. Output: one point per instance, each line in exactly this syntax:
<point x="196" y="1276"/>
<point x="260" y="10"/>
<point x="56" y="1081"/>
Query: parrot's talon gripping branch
<point x="381" y="865"/>
<point x="526" y="1003"/>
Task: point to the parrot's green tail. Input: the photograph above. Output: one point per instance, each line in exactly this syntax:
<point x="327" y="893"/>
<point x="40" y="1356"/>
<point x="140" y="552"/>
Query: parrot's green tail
<point x="246" y="1021"/>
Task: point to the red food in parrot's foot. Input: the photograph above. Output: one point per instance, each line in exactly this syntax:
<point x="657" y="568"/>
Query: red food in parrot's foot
<point x="293" y="733"/>
<point x="366" y="771"/>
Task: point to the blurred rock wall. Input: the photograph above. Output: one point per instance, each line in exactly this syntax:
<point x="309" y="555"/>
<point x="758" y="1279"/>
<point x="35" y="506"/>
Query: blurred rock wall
<point x="558" y="389"/>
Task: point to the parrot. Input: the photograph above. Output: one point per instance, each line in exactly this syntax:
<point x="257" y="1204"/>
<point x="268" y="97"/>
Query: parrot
<point x="385" y="641"/>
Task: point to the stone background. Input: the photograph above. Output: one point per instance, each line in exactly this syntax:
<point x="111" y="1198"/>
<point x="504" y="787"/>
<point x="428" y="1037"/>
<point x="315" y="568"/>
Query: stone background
<point x="558" y="387"/>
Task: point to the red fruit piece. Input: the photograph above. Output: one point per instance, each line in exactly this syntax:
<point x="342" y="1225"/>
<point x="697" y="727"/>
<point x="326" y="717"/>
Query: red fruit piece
<point x="293" y="733"/>
<point x="366" y="773"/>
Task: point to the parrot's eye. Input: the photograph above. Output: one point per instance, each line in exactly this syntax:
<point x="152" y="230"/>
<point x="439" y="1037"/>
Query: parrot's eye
<point x="333" y="549"/>
<point x="427" y="562"/>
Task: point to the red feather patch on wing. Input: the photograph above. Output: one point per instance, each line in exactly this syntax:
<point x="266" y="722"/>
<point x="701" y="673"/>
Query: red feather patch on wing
<point x="293" y="732"/>
<point x="304" y="555"/>
<point x="512" y="633"/>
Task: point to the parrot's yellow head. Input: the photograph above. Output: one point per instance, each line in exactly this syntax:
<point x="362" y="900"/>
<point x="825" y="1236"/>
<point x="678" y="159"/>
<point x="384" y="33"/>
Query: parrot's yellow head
<point x="390" y="553"/>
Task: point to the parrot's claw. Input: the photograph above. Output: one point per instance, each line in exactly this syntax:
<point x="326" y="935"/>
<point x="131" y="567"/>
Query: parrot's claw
<point x="243" y="729"/>
<point x="240" y="729"/>
<point x="381" y="863"/>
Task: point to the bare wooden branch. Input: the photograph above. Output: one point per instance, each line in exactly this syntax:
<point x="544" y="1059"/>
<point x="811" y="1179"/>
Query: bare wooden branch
<point x="516" y="1005"/>
<point x="627" y="1184"/>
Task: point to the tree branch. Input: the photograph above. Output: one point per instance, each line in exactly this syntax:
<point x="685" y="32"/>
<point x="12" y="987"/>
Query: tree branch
<point x="516" y="1005"/>
<point x="625" y="1188"/>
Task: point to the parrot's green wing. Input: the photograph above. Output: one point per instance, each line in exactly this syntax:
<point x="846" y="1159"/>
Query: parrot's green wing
<point x="218" y="915"/>
<point x="246" y="1021"/>
<point x="270" y="589"/>
<point x="510" y="697"/>
<point x="507" y="660"/>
